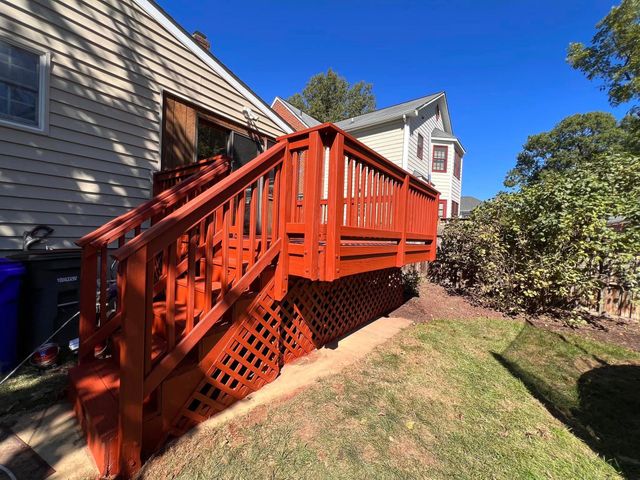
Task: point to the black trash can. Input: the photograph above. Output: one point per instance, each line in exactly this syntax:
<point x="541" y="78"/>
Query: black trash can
<point x="50" y="294"/>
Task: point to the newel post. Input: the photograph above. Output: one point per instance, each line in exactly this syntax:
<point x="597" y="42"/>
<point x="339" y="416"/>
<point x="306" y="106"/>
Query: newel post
<point x="402" y="217"/>
<point x="88" y="288"/>
<point x="311" y="200"/>
<point x="136" y="327"/>
<point x="433" y="228"/>
<point x="335" y="207"/>
<point x="283" y="205"/>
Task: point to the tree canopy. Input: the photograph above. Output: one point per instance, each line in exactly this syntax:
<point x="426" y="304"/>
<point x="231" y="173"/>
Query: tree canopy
<point x="575" y="139"/>
<point x="329" y="97"/>
<point x="614" y="53"/>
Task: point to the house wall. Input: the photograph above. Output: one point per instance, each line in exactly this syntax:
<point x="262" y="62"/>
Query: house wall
<point x="288" y="117"/>
<point x="110" y="64"/>
<point x="386" y="139"/>
<point x="423" y="124"/>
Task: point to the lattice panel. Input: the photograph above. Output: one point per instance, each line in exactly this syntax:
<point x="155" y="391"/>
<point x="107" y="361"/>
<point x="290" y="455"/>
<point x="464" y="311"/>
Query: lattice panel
<point x="270" y="334"/>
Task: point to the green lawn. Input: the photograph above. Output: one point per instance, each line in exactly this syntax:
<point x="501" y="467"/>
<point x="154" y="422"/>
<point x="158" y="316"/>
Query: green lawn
<point x="442" y="400"/>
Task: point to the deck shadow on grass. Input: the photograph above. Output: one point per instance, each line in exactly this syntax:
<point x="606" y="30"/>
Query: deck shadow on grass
<point x="599" y="403"/>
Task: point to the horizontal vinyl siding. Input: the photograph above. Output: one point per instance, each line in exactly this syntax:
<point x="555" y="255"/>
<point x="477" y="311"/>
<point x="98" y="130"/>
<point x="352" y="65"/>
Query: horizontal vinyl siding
<point x="110" y="63"/>
<point x="386" y="139"/>
<point x="423" y="124"/>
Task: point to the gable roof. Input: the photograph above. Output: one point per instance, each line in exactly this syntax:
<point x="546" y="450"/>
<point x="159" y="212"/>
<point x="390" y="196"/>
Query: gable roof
<point x="305" y="118"/>
<point x="387" y="114"/>
<point x="158" y="14"/>
<point x="468" y="203"/>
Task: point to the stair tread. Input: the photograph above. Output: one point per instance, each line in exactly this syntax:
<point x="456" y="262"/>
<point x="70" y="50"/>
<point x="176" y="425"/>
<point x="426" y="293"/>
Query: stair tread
<point x="199" y="284"/>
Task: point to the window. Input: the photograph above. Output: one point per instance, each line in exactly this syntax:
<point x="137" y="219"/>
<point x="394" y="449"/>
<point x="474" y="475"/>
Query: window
<point x="442" y="209"/>
<point x="457" y="164"/>
<point x="212" y="139"/>
<point x="420" y="146"/>
<point x="437" y="112"/>
<point x="22" y="86"/>
<point x="439" y="158"/>
<point x="244" y="149"/>
<point x="454" y="209"/>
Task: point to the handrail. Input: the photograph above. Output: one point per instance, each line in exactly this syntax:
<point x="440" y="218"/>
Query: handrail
<point x="186" y="216"/>
<point x="165" y="179"/>
<point x="118" y="226"/>
<point x="373" y="157"/>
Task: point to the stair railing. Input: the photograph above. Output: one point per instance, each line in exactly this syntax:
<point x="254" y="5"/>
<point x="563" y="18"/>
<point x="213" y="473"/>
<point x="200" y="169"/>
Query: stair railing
<point x="99" y="316"/>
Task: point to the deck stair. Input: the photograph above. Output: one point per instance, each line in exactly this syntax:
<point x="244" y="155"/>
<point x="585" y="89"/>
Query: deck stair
<point x="222" y="278"/>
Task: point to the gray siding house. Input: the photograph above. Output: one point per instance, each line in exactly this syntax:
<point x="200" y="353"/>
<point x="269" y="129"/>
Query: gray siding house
<point x="95" y="96"/>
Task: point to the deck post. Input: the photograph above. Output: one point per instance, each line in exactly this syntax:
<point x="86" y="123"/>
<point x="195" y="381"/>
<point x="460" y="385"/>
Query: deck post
<point x="402" y="217"/>
<point x="132" y="360"/>
<point x="433" y="230"/>
<point x="283" y="203"/>
<point x="311" y="201"/>
<point x="335" y="207"/>
<point x="88" y="287"/>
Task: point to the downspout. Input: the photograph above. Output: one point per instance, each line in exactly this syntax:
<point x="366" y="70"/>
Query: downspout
<point x="405" y="139"/>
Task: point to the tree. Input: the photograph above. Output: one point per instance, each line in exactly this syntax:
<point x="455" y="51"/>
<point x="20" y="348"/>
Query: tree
<point x="575" y="139"/>
<point x="328" y="97"/>
<point x="614" y="53"/>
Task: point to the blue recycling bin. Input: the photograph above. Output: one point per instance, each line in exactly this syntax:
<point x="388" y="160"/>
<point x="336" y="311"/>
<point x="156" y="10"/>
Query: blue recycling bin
<point x="11" y="273"/>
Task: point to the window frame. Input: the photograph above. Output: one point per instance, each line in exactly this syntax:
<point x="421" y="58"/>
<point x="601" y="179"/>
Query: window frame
<point x="455" y="209"/>
<point x="444" y="208"/>
<point x="43" y="89"/>
<point x="457" y="164"/>
<point x="433" y="158"/>
<point x="420" y="147"/>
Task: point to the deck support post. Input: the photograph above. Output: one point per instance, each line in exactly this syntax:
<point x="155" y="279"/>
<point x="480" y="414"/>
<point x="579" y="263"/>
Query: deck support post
<point x="335" y="207"/>
<point x="402" y="217"/>
<point x="311" y="201"/>
<point x="136" y="329"/>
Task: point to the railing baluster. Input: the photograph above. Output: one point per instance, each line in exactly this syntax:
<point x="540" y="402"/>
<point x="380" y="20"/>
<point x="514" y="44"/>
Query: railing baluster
<point x="253" y="214"/>
<point x="226" y="227"/>
<point x="264" y="234"/>
<point x="275" y="211"/>
<point x="241" y="201"/>
<point x="208" y="266"/>
<point x="191" y="280"/>
<point x="170" y="302"/>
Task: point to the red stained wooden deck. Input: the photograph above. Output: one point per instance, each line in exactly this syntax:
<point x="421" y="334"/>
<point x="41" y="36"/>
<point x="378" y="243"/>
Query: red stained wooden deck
<point x="205" y="291"/>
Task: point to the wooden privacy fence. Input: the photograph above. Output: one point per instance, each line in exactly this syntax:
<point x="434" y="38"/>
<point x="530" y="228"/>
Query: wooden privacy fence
<point x="318" y="205"/>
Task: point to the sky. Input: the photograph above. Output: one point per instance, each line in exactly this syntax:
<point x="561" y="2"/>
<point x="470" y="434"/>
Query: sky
<point x="501" y="63"/>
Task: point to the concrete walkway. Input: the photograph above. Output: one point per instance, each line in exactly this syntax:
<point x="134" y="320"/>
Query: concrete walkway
<point x="55" y="435"/>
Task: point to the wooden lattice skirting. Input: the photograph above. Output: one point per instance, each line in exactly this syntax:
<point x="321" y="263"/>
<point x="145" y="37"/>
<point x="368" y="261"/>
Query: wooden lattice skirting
<point x="270" y="333"/>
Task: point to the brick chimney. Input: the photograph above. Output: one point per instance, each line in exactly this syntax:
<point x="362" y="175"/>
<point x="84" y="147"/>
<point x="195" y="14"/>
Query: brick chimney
<point x="201" y="38"/>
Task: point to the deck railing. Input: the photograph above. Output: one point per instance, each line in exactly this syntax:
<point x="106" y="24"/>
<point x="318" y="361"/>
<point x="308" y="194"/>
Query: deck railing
<point x="318" y="204"/>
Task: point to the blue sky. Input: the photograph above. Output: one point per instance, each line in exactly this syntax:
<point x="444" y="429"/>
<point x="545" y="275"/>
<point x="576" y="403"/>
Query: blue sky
<point x="502" y="63"/>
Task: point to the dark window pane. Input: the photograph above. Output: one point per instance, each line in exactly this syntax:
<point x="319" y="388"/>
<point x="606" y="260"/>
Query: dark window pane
<point x="19" y="84"/>
<point x="244" y="150"/>
<point x="212" y="140"/>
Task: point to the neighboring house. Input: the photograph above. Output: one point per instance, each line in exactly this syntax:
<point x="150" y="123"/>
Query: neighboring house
<point x="467" y="204"/>
<point x="416" y="135"/>
<point x="94" y="98"/>
<point x="296" y="118"/>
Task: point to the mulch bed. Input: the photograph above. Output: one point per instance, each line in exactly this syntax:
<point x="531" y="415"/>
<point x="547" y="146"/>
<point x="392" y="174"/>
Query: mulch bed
<point x="434" y="302"/>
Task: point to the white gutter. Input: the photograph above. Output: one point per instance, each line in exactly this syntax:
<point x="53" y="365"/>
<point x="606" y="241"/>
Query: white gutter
<point x="191" y="44"/>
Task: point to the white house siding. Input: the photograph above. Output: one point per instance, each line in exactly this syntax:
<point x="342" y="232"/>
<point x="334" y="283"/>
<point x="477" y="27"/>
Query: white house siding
<point x="386" y="139"/>
<point x="110" y="64"/>
<point x="423" y="124"/>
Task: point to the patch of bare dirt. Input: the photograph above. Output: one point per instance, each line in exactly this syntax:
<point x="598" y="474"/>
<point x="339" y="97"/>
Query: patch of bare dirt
<point x="434" y="302"/>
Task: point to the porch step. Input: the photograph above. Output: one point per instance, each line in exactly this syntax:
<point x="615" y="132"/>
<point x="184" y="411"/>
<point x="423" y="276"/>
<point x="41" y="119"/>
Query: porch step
<point x="94" y="390"/>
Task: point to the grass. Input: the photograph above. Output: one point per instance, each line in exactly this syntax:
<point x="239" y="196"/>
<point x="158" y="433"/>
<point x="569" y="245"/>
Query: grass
<point x="441" y="400"/>
<point x="31" y="388"/>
